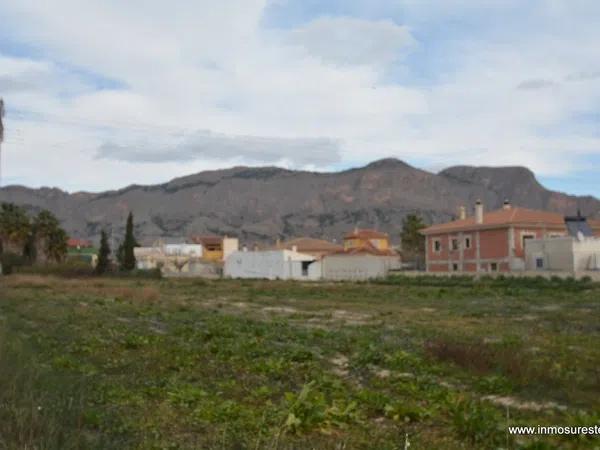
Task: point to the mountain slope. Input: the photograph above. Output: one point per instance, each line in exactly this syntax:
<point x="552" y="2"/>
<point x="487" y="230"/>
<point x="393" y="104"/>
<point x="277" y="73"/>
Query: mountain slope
<point x="261" y="204"/>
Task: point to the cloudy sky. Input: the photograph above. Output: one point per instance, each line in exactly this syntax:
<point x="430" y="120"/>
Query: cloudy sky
<point x="104" y="93"/>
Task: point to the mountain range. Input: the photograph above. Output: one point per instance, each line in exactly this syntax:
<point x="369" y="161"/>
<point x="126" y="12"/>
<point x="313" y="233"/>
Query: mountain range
<point x="262" y="204"/>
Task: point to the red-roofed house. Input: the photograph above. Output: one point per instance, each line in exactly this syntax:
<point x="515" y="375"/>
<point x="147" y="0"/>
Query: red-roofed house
<point x="488" y="242"/>
<point x="368" y="240"/>
<point x="78" y="244"/>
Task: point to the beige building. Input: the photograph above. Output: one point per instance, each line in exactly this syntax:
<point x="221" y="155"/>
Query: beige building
<point x="216" y="248"/>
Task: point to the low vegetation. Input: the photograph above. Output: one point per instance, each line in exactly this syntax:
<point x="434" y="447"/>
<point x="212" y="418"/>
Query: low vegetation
<point x="447" y="363"/>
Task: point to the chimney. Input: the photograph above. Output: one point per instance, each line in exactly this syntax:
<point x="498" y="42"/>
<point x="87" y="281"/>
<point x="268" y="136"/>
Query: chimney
<point x="506" y="204"/>
<point x="278" y="243"/>
<point x="479" y="212"/>
<point x="294" y="248"/>
<point x="244" y="248"/>
<point x="462" y="213"/>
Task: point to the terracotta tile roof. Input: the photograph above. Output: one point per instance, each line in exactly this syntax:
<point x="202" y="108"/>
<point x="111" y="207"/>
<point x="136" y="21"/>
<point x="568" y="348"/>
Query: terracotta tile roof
<point x="500" y="218"/>
<point x="594" y="223"/>
<point x="365" y="234"/>
<point x="367" y="249"/>
<point x="306" y="244"/>
<point x="75" y="243"/>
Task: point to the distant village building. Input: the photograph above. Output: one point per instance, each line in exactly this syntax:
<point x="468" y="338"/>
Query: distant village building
<point x="490" y="241"/>
<point x="366" y="254"/>
<point x="78" y="244"/>
<point x="310" y="246"/>
<point x="564" y="254"/>
<point x="272" y="265"/>
<point x="576" y="253"/>
<point x="366" y="238"/>
<point x="81" y="250"/>
<point x="216" y="248"/>
<point x="175" y="259"/>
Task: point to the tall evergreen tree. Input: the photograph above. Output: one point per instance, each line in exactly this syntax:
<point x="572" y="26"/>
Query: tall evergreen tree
<point x="103" y="254"/>
<point x="413" y="242"/>
<point x="129" y="243"/>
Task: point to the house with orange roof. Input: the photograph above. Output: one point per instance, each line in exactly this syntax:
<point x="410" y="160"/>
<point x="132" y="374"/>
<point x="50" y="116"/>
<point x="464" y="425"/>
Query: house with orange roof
<point x="488" y="241"/>
<point x="359" y="238"/>
<point x="367" y="254"/>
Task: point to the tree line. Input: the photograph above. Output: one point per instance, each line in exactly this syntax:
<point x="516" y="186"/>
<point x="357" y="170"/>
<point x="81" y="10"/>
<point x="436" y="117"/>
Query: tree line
<point x="34" y="239"/>
<point x="40" y="239"/>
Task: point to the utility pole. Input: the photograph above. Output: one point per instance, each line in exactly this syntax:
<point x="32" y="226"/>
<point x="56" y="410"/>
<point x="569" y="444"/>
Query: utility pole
<point x="1" y="135"/>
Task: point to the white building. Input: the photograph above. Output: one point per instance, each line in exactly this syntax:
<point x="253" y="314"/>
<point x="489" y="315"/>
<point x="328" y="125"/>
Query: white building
<point x="565" y="254"/>
<point x="272" y="265"/>
<point x="183" y="250"/>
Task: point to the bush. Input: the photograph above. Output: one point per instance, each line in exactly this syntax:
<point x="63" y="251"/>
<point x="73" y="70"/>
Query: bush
<point x="10" y="262"/>
<point x="71" y="268"/>
<point x="482" y="358"/>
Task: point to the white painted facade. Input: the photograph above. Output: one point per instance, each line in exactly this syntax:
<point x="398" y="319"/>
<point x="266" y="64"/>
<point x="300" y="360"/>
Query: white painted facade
<point x="272" y="265"/>
<point x="183" y="250"/>
<point x="565" y="254"/>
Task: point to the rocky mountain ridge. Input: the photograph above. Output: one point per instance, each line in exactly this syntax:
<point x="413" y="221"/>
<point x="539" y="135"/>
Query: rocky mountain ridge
<point x="260" y="204"/>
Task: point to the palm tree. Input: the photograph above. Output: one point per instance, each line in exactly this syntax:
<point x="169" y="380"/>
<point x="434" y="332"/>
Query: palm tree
<point x="14" y="228"/>
<point x="49" y="237"/>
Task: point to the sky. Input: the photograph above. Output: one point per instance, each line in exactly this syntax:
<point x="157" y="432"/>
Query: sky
<point x="104" y="93"/>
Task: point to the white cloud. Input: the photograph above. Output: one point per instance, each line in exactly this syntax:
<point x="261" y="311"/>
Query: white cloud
<point x="350" y="41"/>
<point x="208" y="145"/>
<point x="329" y="89"/>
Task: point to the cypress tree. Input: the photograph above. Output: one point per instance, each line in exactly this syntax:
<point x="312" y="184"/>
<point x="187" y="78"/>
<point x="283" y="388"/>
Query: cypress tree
<point x="129" y="244"/>
<point x="103" y="254"/>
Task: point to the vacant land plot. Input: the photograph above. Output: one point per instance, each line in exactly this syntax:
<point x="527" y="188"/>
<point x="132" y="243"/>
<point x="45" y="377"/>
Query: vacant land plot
<point x="186" y="364"/>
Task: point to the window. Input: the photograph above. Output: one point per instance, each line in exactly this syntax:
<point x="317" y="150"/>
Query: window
<point x="539" y="263"/>
<point x="493" y="267"/>
<point x="467" y="242"/>
<point x="455" y="267"/>
<point x="454" y="244"/>
<point x="437" y="245"/>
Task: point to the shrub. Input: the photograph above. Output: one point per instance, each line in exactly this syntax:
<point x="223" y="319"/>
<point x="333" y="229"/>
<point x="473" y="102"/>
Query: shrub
<point x="480" y="357"/>
<point x="11" y="261"/>
<point x="71" y="268"/>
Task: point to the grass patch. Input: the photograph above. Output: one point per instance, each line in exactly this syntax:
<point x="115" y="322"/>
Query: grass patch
<point x="160" y="363"/>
